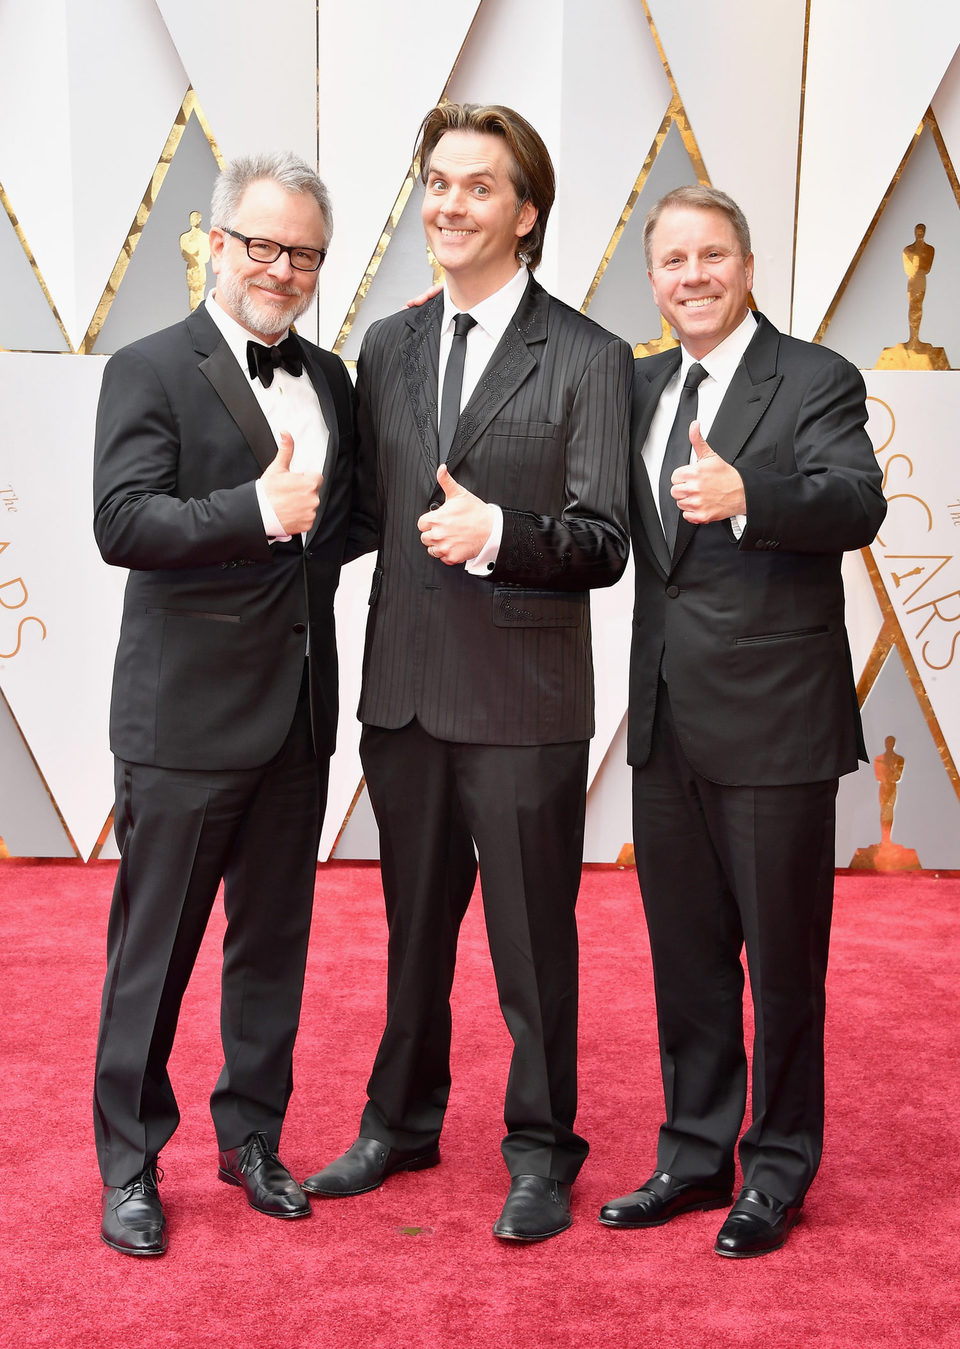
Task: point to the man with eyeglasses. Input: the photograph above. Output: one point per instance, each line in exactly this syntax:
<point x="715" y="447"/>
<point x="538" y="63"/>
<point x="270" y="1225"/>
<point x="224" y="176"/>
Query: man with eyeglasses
<point x="223" y="480"/>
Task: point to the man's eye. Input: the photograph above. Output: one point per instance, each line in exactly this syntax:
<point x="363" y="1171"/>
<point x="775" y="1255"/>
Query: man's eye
<point x="438" y="185"/>
<point x="482" y="191"/>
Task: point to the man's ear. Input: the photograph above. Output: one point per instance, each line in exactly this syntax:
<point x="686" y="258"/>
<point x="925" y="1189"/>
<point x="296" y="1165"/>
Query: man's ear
<point x="217" y="240"/>
<point x="526" y="219"/>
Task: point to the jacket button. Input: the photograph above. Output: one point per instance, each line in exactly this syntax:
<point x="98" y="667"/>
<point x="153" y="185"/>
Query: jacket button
<point x="299" y="627"/>
<point x="673" y="592"/>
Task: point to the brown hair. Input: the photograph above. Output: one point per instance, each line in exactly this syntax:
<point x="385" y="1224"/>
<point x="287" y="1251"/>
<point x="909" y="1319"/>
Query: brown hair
<point x="701" y="198"/>
<point x="532" y="171"/>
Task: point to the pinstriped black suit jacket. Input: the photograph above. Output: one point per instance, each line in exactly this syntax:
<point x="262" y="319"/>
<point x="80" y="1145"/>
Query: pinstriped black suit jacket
<point x="503" y="659"/>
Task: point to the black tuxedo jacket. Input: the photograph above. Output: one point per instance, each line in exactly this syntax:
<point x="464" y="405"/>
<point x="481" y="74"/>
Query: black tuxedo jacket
<point x="503" y="659"/>
<point x="211" y="651"/>
<point x="756" y="654"/>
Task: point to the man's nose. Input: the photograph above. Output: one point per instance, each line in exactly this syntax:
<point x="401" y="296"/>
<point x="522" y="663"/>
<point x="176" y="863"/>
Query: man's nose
<point x="281" y="268"/>
<point x="694" y="269"/>
<point x="454" y="203"/>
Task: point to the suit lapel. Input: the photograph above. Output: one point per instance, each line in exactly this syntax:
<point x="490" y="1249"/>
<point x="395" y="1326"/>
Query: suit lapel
<point x="420" y="363"/>
<point x="754" y="383"/>
<point x="648" y="386"/>
<point x="515" y="357"/>
<point x="327" y="406"/>
<point x="231" y="386"/>
<point x="748" y="396"/>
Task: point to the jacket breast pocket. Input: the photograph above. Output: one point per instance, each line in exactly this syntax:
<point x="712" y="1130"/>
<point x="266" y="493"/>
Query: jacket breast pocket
<point x="523" y="466"/>
<point x="516" y="607"/>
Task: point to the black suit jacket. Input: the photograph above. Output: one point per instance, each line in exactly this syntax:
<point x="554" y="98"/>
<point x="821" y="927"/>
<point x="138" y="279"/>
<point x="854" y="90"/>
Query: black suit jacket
<point x="761" y="685"/>
<point x="210" y="657"/>
<point x="504" y="659"/>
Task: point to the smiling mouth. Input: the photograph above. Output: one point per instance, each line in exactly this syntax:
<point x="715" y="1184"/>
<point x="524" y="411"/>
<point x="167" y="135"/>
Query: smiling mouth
<point x="700" y="303"/>
<point x="278" y="291"/>
<point x="455" y="234"/>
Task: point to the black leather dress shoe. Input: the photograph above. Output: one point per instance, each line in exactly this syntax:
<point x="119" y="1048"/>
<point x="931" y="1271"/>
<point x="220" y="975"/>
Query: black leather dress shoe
<point x="662" y="1198"/>
<point x="133" y="1220"/>
<point x="756" y="1225"/>
<point x="535" y="1208"/>
<point x="365" y="1165"/>
<point x="268" y="1185"/>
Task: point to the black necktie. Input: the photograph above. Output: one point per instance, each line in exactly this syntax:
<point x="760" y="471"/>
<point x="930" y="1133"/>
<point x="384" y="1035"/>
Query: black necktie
<point x="677" y="452"/>
<point x="262" y="361"/>
<point x="453" y="382"/>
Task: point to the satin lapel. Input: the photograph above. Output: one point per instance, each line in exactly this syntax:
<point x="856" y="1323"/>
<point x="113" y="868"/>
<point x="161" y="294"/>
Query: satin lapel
<point x="518" y="353"/>
<point x="327" y="406"/>
<point x="647" y="391"/>
<point x="420" y="363"/>
<point x="233" y="389"/>
<point x="748" y="396"/>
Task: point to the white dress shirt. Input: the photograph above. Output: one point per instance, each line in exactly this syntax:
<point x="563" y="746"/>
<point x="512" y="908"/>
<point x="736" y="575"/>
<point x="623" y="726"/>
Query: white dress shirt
<point x="492" y="316"/>
<point x="290" y="404"/>
<point x="720" y="365"/>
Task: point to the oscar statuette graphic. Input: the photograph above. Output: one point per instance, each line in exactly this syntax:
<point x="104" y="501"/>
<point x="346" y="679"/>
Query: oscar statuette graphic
<point x="195" y="247"/>
<point x="886" y="855"/>
<point x="914" y="354"/>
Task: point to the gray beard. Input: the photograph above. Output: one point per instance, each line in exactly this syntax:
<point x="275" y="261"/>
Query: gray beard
<point x="257" y="318"/>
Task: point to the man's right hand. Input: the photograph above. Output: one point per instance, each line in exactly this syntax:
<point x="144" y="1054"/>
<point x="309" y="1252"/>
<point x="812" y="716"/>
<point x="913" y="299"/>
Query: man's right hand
<point x="426" y="295"/>
<point x="293" y="496"/>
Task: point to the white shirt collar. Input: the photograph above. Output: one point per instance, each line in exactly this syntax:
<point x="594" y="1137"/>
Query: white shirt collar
<point x="495" y="312"/>
<point x="235" y="334"/>
<point x="721" y="362"/>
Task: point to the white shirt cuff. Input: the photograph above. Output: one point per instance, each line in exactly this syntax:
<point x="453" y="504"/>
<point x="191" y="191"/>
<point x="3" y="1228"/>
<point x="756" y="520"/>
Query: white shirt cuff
<point x="271" y="525"/>
<point x="486" y="559"/>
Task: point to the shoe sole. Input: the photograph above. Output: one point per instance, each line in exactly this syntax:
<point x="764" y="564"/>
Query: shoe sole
<point x="414" y="1164"/>
<point x="268" y="1212"/>
<point x="128" y="1250"/>
<point x="528" y="1238"/>
<point x="701" y="1206"/>
<point x="767" y="1250"/>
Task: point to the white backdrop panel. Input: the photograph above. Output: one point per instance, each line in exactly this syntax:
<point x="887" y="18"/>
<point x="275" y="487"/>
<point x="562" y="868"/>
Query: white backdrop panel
<point x="864" y="619"/>
<point x="916" y="550"/>
<point x="253" y="68"/>
<point x="59" y="603"/>
<point x="601" y="149"/>
<point x="872" y="70"/>
<point x="381" y="67"/>
<point x="750" y="150"/>
<point x="946" y="109"/>
<point x="103" y="83"/>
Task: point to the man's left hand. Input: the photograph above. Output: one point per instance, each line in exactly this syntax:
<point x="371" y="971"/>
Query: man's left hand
<point x="456" y="531"/>
<point x="710" y="489"/>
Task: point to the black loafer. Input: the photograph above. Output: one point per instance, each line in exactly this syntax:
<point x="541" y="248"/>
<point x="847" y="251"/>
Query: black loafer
<point x="756" y="1225"/>
<point x="365" y="1166"/>
<point x="662" y="1198"/>
<point x="133" y="1220"/>
<point x="536" y="1208"/>
<point x="268" y="1185"/>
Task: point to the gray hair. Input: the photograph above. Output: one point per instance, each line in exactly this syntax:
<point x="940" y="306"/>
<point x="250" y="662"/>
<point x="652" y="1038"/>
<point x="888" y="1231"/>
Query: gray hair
<point x="284" y="168"/>
<point x="700" y="198"/>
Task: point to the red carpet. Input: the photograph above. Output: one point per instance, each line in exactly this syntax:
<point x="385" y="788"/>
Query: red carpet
<point x="873" y="1263"/>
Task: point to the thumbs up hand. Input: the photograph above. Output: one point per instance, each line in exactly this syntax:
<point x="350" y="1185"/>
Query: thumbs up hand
<point x="456" y="531"/>
<point x="708" y="489"/>
<point x="293" y="496"/>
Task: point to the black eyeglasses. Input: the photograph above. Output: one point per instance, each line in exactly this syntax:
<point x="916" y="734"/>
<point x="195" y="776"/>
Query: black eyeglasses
<point x="268" y="250"/>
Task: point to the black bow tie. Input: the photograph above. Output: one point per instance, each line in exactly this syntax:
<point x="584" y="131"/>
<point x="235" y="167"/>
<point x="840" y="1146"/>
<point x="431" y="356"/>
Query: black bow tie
<point x="262" y="361"/>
